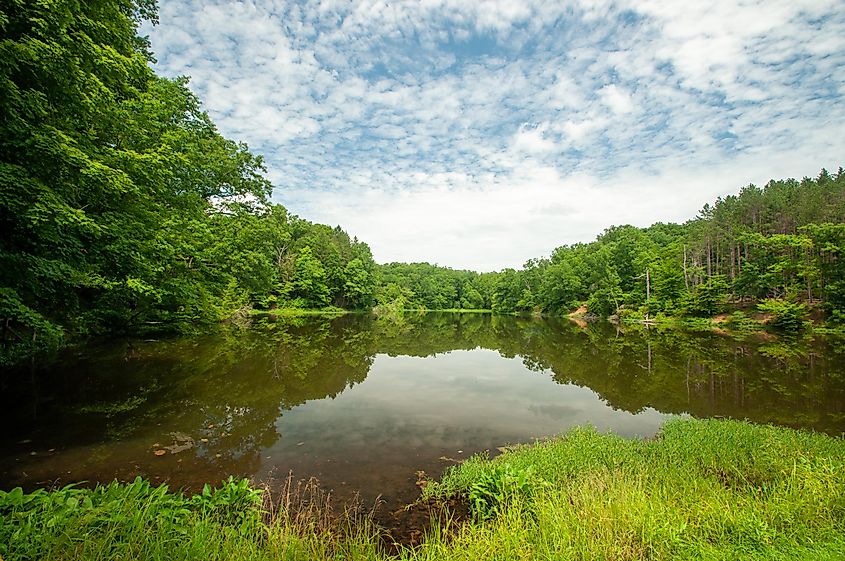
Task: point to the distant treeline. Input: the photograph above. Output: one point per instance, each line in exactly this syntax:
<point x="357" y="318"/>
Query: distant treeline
<point x="122" y="209"/>
<point x="783" y="242"/>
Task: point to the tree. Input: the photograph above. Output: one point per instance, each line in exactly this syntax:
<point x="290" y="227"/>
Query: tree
<point x="309" y="280"/>
<point x="358" y="288"/>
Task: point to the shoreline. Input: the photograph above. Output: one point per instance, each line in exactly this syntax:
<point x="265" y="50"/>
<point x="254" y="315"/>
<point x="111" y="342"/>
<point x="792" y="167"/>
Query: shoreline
<point x="701" y="487"/>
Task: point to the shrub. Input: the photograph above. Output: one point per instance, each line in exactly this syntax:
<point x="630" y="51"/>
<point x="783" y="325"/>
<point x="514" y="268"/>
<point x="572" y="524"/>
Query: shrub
<point x="786" y="316"/>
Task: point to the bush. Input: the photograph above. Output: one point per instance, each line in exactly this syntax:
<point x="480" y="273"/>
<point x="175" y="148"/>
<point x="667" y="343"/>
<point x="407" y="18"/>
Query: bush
<point x="26" y="331"/>
<point x="739" y="321"/>
<point x="603" y="302"/>
<point x="786" y="316"/>
<point x="46" y="524"/>
<point x="708" y="298"/>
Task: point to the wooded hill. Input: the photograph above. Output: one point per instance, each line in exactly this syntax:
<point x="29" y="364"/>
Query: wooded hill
<point x="784" y="241"/>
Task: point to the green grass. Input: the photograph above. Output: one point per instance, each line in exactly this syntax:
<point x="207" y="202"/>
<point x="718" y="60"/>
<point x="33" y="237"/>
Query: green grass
<point x="703" y="490"/>
<point x="137" y="521"/>
<point x="463" y="310"/>
<point x="297" y="312"/>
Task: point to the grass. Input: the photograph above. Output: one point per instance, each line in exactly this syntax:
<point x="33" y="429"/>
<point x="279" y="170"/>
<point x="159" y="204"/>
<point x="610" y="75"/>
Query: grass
<point x="298" y="312"/>
<point x="137" y="521"/>
<point x="704" y="490"/>
<point x="464" y="310"/>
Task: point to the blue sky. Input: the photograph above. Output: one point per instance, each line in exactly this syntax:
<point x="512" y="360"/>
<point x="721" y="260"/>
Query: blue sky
<point x="481" y="134"/>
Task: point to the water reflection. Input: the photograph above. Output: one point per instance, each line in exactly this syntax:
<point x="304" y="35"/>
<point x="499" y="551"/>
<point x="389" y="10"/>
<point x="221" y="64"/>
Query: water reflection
<point x="363" y="402"/>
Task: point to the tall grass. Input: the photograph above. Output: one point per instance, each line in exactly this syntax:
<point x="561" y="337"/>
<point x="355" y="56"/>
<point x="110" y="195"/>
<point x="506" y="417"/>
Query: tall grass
<point x="137" y="521"/>
<point x="700" y="490"/>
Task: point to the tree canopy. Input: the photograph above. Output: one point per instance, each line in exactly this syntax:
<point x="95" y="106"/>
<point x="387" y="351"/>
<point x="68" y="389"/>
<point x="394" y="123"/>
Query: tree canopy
<point x="121" y="205"/>
<point x="784" y="242"/>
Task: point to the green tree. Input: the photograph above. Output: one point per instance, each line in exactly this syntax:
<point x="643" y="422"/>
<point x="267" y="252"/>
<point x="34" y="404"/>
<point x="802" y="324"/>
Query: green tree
<point x="358" y="287"/>
<point x="309" y="280"/>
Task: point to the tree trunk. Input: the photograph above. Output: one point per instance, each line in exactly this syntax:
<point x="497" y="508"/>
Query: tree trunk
<point x="733" y="262"/>
<point x="718" y="256"/>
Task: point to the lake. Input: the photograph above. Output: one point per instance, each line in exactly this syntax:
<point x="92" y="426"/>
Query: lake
<point x="364" y="403"/>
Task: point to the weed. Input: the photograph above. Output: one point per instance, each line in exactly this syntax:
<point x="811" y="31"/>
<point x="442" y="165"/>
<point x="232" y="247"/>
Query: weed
<point x="501" y="487"/>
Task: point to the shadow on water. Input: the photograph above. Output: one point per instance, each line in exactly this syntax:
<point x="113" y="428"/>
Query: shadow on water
<point x="366" y="404"/>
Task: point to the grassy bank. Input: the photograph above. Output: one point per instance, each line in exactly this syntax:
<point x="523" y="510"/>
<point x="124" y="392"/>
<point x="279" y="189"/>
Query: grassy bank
<point x="137" y="521"/>
<point x="297" y="312"/>
<point x="701" y="490"/>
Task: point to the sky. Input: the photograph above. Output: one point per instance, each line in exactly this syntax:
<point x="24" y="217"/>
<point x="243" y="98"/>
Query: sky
<point x="478" y="135"/>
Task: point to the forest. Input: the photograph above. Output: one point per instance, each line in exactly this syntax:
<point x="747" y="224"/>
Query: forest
<point x="777" y="249"/>
<point x="780" y="246"/>
<point x="123" y="210"/>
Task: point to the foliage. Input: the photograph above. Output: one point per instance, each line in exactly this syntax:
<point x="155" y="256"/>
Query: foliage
<point x="420" y="286"/>
<point x="234" y="503"/>
<point x="122" y="208"/>
<point x="783" y="241"/>
<point x="739" y="321"/>
<point x="119" y="517"/>
<point x="500" y="488"/>
<point x="708" y="297"/>
<point x="786" y="316"/>
<point x="309" y="280"/>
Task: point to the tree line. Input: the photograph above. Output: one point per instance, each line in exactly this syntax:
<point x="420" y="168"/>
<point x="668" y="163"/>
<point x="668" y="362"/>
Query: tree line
<point x="783" y="243"/>
<point x="780" y="246"/>
<point x="124" y="210"/>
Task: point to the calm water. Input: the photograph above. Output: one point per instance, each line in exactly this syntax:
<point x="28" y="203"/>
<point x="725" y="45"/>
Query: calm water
<point x="363" y="403"/>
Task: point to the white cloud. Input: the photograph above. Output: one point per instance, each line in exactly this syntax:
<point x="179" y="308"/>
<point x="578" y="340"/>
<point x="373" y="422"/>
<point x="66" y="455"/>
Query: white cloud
<point x="480" y="134"/>
<point x="616" y="99"/>
<point x="532" y="139"/>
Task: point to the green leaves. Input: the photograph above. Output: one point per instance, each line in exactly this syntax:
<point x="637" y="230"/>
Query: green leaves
<point x="785" y="316"/>
<point x="503" y="486"/>
<point x="309" y="280"/>
<point x="121" y="204"/>
<point x="786" y="241"/>
<point x="42" y="523"/>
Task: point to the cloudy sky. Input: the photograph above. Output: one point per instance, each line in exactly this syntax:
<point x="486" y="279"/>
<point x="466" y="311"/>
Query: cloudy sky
<point x="480" y="134"/>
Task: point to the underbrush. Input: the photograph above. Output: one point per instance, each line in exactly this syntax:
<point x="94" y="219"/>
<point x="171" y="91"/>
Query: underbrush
<point x="709" y="489"/>
<point x="138" y="521"/>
